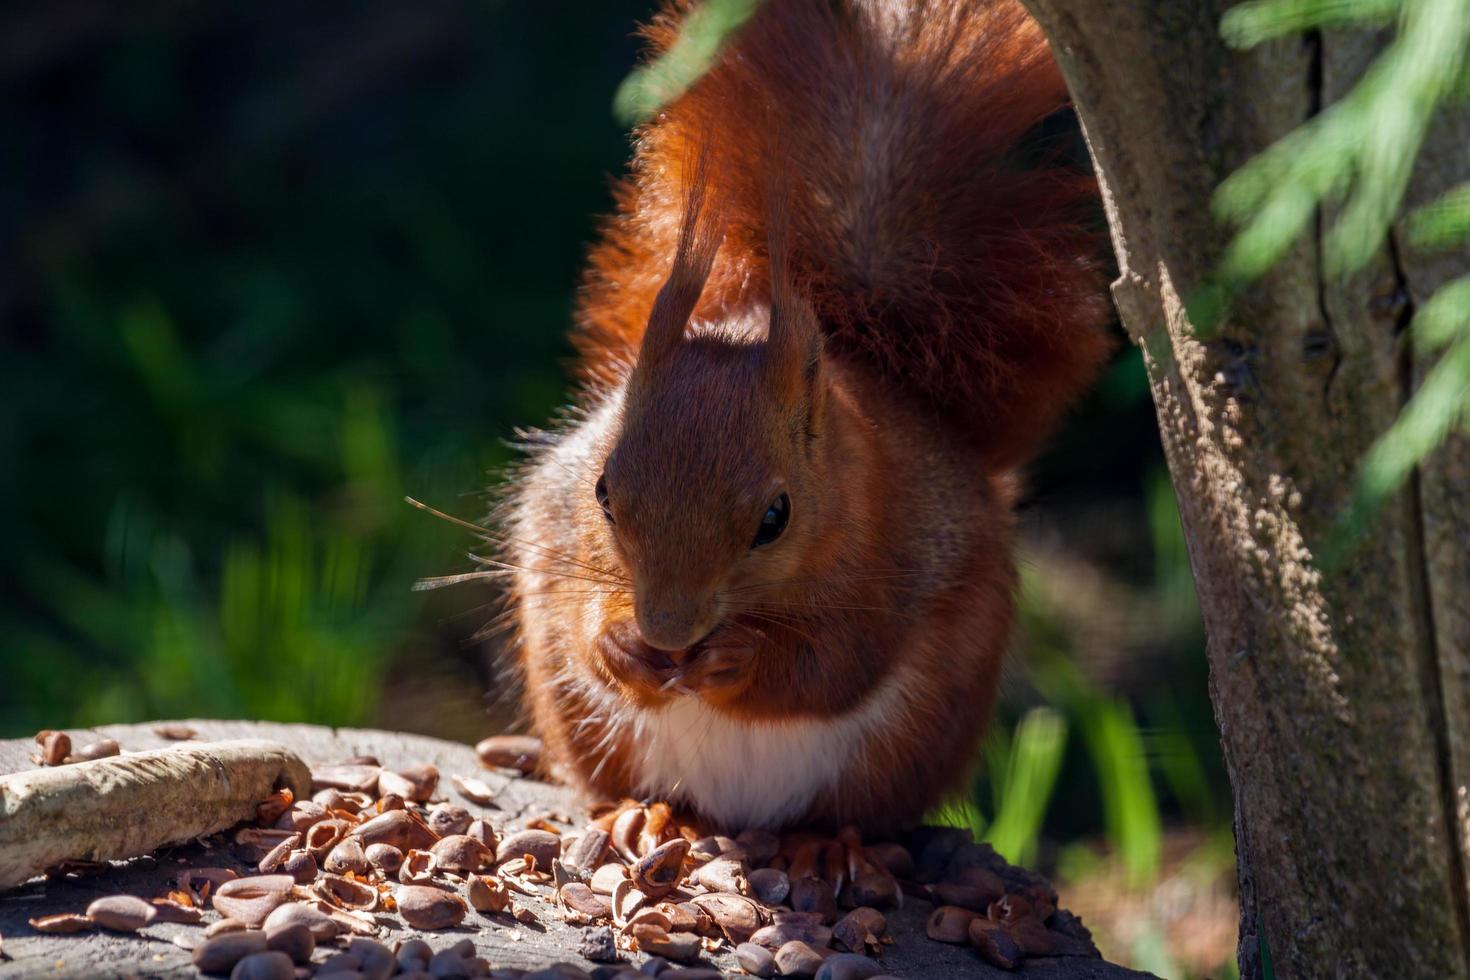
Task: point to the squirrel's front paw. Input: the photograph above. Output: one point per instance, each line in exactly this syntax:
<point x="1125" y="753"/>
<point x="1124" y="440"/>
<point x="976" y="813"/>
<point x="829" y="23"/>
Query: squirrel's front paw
<point x="641" y="670"/>
<point x="716" y="667"/>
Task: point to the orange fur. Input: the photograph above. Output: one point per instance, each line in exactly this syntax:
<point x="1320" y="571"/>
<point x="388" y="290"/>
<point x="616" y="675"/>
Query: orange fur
<point x="830" y="285"/>
<point x="932" y="255"/>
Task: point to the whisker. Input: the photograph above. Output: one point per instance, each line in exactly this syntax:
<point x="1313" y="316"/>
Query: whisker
<point x="512" y="567"/>
<point x="443" y="581"/>
<point x="489" y="534"/>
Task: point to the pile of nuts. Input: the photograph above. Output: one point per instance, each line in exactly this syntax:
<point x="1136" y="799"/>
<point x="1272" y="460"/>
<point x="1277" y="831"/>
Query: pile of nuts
<point x="374" y="843"/>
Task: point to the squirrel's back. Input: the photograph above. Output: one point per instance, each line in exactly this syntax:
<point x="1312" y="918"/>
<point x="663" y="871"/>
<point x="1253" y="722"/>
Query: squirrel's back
<point x="965" y="276"/>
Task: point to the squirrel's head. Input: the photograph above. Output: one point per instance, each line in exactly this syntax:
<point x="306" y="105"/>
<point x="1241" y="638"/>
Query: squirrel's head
<point x="711" y="490"/>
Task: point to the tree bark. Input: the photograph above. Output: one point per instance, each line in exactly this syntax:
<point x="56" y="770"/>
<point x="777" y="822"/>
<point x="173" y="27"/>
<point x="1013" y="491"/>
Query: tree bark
<point x="1342" y="693"/>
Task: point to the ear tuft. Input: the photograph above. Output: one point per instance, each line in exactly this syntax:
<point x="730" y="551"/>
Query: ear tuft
<point x="701" y="231"/>
<point x="794" y="341"/>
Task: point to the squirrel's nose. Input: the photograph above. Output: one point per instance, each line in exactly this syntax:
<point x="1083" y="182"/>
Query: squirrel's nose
<point x="673" y="622"/>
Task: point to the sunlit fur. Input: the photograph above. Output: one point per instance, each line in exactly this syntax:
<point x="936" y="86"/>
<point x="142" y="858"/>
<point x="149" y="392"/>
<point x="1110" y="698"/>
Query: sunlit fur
<point x="827" y="277"/>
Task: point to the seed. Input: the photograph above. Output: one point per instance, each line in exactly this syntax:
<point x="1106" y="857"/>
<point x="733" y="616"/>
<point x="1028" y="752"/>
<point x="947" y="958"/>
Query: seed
<point x="340" y="966"/>
<point x="277" y="855"/>
<point x="373" y="958"/>
<point x="324" y="835"/>
<point x="949" y="924"/>
<point x="679" y="946"/>
<point x="348" y="856"/>
<point x="447" y="819"/>
<point x="799" y="959"/>
<point x="541" y="845"/>
<point x="519" y="752"/>
<point x="814" y="895"/>
<point x="332" y="798"/>
<point x="385" y="857"/>
<point x="586" y="852"/>
<point x="346" y="893"/>
<point x="418" y="868"/>
<point x="626" y="900"/>
<point x="461" y="854"/>
<point x="606" y="878"/>
<point x="390" y="801"/>
<point x="658" y="872"/>
<point x="737" y="916"/>
<point x="995" y="944"/>
<point x="650" y="916"/>
<point x="722" y="875"/>
<point x="849" y="966"/>
<point x="448" y="964"/>
<point x="222" y="926"/>
<point x="1031" y="936"/>
<point x="252" y="899"/>
<point x="55" y="748"/>
<point x="756" y="960"/>
<point x="270" y="965"/>
<point x="295" y="940"/>
<point x="394" y="827"/>
<point x="168" y="910"/>
<point x="860" y="931"/>
<point x="778" y="934"/>
<point x="300" y="816"/>
<point x="477" y="791"/>
<point x="486" y="893"/>
<point x="484" y="833"/>
<point x="222" y="952"/>
<point x="121" y="913"/>
<point x="769" y="885"/>
<point x="307" y="915"/>
<point x="101" y="749"/>
<point x="61" y="922"/>
<point x="416" y="783"/>
<point x="413" y="955"/>
<point x="175" y="732"/>
<point x="624" y="833"/>
<point x="425" y="907"/>
<point x="301" y="866"/>
<point x="583" y="900"/>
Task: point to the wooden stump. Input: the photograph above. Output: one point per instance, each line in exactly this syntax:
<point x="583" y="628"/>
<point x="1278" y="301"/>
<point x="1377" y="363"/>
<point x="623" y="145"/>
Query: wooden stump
<point x="152" y="952"/>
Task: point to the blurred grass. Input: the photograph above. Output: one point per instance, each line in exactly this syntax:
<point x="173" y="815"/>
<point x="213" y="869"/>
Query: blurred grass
<point x="275" y="267"/>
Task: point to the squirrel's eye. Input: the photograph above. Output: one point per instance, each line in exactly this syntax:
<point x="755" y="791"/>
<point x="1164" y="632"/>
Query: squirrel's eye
<point x="774" y="522"/>
<point x="601" y="491"/>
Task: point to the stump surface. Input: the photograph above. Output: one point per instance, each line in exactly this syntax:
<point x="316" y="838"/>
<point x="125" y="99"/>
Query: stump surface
<point x="152" y="952"/>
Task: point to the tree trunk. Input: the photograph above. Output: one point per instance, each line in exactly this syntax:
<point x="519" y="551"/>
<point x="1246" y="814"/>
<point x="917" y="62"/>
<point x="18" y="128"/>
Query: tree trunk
<point x="1342" y="694"/>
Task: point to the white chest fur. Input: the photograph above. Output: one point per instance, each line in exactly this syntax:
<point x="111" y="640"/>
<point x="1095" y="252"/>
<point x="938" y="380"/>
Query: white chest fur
<point x="753" y="774"/>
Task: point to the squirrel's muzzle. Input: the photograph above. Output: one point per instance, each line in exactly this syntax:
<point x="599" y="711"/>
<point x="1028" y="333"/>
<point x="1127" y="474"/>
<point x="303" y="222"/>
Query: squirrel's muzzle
<point x="673" y="621"/>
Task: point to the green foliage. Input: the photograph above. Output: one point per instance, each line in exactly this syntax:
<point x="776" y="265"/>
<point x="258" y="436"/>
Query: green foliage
<point x="1358" y="155"/>
<point x="1024" y="776"/>
<point x="261" y="291"/>
<point x="660" y="81"/>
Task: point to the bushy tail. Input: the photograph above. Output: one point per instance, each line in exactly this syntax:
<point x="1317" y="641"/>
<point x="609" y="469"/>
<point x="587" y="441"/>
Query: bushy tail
<point x="967" y="277"/>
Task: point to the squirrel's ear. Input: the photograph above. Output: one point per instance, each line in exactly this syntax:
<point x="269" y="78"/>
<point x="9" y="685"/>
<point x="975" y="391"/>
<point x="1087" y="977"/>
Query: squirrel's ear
<point x="794" y="342"/>
<point x="701" y="231"/>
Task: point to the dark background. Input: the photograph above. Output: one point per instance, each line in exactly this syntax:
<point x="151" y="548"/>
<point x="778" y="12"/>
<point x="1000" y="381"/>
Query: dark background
<point x="268" y="267"/>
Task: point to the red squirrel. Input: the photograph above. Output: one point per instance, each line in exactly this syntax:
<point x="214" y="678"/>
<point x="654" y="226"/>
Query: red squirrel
<point x="764" y="570"/>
